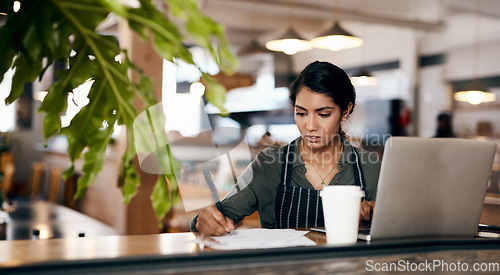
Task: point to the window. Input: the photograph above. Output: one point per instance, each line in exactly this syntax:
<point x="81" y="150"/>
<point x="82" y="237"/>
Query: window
<point x="7" y="112"/>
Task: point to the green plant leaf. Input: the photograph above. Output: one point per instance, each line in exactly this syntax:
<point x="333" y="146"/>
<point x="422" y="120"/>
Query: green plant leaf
<point x="47" y="31"/>
<point x="129" y="179"/>
<point x="24" y="73"/>
<point x="161" y="199"/>
<point x="94" y="159"/>
<point x="206" y="32"/>
<point x="216" y="93"/>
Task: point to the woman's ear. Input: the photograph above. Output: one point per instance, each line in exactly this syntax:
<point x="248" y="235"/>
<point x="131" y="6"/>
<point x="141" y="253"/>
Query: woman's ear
<point x="346" y="113"/>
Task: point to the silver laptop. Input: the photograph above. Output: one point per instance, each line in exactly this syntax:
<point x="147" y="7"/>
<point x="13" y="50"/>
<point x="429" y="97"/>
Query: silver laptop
<point x="431" y="187"/>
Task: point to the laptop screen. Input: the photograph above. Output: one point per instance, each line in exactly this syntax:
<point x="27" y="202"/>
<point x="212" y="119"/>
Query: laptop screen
<point x="431" y="187"/>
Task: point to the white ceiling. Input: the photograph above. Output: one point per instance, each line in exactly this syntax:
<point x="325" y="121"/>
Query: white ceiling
<point x="242" y="18"/>
<point x="439" y="25"/>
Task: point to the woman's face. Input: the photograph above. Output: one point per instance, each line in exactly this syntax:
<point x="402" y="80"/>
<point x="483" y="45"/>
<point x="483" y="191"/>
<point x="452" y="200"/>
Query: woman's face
<point x="317" y="117"/>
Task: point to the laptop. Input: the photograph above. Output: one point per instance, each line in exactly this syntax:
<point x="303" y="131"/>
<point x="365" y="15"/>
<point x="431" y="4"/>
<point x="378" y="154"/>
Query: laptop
<point x="430" y="187"/>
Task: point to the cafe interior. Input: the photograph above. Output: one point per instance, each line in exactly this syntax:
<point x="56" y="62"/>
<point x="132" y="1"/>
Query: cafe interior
<point x="410" y="61"/>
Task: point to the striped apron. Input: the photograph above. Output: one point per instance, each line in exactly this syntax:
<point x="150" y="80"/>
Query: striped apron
<point x="297" y="207"/>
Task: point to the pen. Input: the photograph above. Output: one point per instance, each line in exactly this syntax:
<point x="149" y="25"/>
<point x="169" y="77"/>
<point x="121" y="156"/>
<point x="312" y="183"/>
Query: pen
<point x="212" y="188"/>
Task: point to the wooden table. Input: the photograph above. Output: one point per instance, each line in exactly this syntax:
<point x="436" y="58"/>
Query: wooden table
<point x="52" y="221"/>
<point x="178" y="253"/>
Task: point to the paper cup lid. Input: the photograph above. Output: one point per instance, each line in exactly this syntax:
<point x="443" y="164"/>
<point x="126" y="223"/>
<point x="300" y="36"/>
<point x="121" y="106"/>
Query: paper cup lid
<point x="342" y="191"/>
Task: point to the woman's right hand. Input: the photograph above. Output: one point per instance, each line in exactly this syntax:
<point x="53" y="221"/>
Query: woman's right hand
<point x="211" y="222"/>
<point x="366" y="212"/>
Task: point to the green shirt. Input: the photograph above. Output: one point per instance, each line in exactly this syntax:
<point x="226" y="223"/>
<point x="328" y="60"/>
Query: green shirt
<point x="259" y="182"/>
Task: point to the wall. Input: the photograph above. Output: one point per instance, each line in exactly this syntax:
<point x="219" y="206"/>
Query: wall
<point x="426" y="89"/>
<point x="26" y="146"/>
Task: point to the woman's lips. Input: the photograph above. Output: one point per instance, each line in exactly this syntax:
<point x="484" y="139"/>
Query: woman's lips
<point x="312" y="139"/>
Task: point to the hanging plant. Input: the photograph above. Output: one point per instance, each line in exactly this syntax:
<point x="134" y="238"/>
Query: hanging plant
<point x="42" y="32"/>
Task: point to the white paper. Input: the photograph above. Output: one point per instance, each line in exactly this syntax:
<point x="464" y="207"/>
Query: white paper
<point x="258" y="238"/>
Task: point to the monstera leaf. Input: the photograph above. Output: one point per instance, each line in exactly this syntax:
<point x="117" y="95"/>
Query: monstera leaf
<point x="46" y="31"/>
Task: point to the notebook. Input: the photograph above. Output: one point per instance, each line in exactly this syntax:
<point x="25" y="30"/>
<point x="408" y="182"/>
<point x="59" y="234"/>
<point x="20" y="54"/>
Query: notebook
<point x="431" y="187"/>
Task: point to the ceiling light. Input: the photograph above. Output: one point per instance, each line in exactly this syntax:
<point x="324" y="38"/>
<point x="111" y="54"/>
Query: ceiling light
<point x="289" y="43"/>
<point x="17" y="6"/>
<point x="336" y="38"/>
<point x="364" y="78"/>
<point x="253" y="47"/>
<point x="474" y="93"/>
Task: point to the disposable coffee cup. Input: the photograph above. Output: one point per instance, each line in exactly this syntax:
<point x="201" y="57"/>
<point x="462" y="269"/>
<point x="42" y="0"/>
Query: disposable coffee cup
<point x="4" y="219"/>
<point x="341" y="206"/>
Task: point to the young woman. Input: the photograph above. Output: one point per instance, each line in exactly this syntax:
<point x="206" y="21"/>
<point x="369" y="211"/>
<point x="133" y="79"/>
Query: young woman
<point x="283" y="183"/>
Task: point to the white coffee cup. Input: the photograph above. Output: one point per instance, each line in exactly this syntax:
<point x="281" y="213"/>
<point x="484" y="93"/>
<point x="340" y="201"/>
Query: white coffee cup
<point x="341" y="206"/>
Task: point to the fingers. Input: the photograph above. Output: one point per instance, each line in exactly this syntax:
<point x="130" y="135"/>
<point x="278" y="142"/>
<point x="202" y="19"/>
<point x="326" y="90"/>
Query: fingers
<point x="366" y="211"/>
<point x="230" y="224"/>
<point x="211" y="222"/>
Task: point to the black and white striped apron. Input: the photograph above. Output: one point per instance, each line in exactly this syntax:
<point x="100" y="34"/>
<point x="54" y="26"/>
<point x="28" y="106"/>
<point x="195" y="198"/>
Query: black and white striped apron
<point x="298" y="207"/>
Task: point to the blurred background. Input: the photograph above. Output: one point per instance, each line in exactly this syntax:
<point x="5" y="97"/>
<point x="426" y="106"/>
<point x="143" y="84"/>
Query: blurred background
<point x="419" y="54"/>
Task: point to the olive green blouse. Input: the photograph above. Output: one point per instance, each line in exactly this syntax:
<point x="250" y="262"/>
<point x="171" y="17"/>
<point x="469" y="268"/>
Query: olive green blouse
<point x="259" y="182"/>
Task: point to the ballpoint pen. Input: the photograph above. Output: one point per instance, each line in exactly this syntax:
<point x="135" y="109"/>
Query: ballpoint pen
<point x="212" y="188"/>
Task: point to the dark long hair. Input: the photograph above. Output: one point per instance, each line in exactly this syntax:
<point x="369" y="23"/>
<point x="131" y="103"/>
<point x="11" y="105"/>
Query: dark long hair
<point x="326" y="78"/>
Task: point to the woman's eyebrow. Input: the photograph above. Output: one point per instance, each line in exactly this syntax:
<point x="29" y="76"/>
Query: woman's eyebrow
<point x="324" y="108"/>
<point x="317" y="110"/>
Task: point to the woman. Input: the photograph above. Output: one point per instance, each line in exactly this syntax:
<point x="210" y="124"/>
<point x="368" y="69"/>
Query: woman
<point x="283" y="183"/>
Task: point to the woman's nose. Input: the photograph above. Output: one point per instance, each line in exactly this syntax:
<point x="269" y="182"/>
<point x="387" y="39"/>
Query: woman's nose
<point x="311" y="124"/>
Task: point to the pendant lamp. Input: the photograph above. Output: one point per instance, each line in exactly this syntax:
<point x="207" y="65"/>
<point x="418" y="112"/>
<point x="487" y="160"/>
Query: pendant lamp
<point x="364" y="78"/>
<point x="336" y="39"/>
<point x="254" y="47"/>
<point x="475" y="93"/>
<point x="290" y="42"/>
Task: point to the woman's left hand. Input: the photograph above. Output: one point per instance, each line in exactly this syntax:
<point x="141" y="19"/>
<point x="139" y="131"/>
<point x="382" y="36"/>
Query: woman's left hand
<point x="366" y="211"/>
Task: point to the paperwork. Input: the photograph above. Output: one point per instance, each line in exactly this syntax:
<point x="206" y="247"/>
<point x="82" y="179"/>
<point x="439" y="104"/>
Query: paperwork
<point x="258" y="238"/>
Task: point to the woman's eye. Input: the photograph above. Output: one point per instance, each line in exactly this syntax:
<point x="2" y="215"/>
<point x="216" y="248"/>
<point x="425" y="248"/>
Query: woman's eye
<point x="324" y="115"/>
<point x="300" y="114"/>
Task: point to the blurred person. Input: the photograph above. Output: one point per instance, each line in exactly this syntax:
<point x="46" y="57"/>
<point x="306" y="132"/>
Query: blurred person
<point x="444" y="126"/>
<point x="484" y="129"/>
<point x="283" y="183"/>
